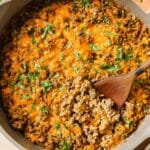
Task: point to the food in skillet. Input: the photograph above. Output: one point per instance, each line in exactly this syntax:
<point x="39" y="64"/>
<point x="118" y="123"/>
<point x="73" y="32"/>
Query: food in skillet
<point x="51" y="62"/>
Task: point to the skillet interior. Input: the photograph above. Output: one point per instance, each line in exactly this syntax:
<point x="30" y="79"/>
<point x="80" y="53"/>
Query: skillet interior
<point x="22" y="142"/>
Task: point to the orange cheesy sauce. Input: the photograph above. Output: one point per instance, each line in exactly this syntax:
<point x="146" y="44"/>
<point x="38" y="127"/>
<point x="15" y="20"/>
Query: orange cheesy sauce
<point x="64" y="40"/>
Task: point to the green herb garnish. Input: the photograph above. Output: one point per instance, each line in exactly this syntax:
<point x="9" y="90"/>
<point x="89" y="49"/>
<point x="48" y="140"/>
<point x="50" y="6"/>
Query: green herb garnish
<point x="105" y="3"/>
<point x="33" y="106"/>
<point x="75" y="69"/>
<point x="106" y="20"/>
<point x="24" y="66"/>
<point x="44" y="110"/>
<point x="34" y="41"/>
<point x="20" y="85"/>
<point x="69" y="44"/>
<point x="119" y="54"/>
<point x="48" y="29"/>
<point x="65" y="146"/>
<point x="128" y="122"/>
<point x="77" y="54"/>
<point x="96" y="70"/>
<point x="21" y="77"/>
<point x="104" y="148"/>
<point x="32" y="76"/>
<point x="46" y="86"/>
<point x="114" y="68"/>
<point x="111" y="68"/>
<point x="127" y="57"/>
<point x="56" y="125"/>
<point x="85" y="3"/>
<point x="25" y="96"/>
<point x="61" y="57"/>
<point x="94" y="47"/>
<point x="12" y="84"/>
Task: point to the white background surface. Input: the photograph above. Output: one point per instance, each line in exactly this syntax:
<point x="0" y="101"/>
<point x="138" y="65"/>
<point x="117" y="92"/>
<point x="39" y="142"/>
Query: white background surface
<point x="5" y="144"/>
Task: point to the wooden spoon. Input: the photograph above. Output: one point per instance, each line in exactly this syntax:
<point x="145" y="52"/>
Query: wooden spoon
<point x="118" y="88"/>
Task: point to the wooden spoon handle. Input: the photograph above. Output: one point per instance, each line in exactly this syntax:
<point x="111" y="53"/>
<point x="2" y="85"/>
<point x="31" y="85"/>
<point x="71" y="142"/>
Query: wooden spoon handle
<point x="143" y="67"/>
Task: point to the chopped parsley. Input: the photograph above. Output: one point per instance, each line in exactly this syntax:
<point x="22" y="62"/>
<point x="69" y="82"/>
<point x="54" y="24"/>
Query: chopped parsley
<point x="24" y="96"/>
<point x="44" y="110"/>
<point x="104" y="148"/>
<point x="75" y="69"/>
<point x="48" y="29"/>
<point x="105" y="3"/>
<point x="85" y="3"/>
<point x="106" y="20"/>
<point x="32" y="76"/>
<point x="46" y="86"/>
<point x="34" y="41"/>
<point x="77" y="54"/>
<point x="24" y="66"/>
<point x="61" y="57"/>
<point x="128" y="122"/>
<point x="94" y="47"/>
<point x="56" y="125"/>
<point x="69" y="44"/>
<point x="33" y="106"/>
<point x="96" y="70"/>
<point x="65" y="146"/>
<point x="12" y="84"/>
<point x="111" y="68"/>
<point x="119" y="54"/>
<point x="128" y="56"/>
<point x="20" y="85"/>
<point x="21" y="77"/>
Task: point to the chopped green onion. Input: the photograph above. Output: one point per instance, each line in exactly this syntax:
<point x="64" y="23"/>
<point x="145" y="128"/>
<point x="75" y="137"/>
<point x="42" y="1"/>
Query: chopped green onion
<point x="96" y="70"/>
<point x="24" y="66"/>
<point x="48" y="29"/>
<point x="56" y="125"/>
<point x="25" y="97"/>
<point x="20" y="85"/>
<point x="128" y="122"/>
<point x="106" y="20"/>
<point x="75" y="68"/>
<point x="34" y="41"/>
<point x="77" y="54"/>
<point x="69" y="44"/>
<point x="105" y="3"/>
<point x="85" y="3"/>
<point x="119" y="54"/>
<point x="94" y="47"/>
<point x="61" y="57"/>
<point x="114" y="68"/>
<point x="46" y="86"/>
<point x="111" y="68"/>
<point x="33" y="105"/>
<point x="44" y="110"/>
<point x="12" y="84"/>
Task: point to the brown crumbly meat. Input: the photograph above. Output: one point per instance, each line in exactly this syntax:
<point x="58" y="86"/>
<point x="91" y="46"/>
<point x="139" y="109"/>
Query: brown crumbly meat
<point x="88" y="108"/>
